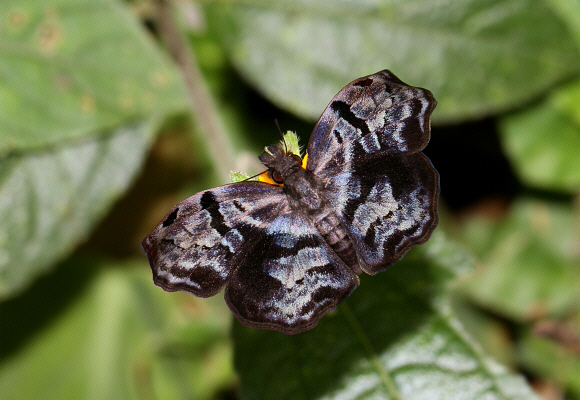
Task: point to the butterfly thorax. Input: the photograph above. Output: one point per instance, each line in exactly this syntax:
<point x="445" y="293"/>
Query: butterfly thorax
<point x="306" y="195"/>
<point x="304" y="191"/>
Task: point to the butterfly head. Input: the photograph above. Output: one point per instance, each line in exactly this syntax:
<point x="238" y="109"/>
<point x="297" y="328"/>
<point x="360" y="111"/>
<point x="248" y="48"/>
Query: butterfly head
<point x="280" y="164"/>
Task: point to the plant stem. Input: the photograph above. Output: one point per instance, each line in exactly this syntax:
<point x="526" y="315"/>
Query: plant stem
<point x="202" y="107"/>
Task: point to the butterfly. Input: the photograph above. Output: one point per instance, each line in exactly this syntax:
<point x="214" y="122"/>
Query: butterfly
<point x="290" y="249"/>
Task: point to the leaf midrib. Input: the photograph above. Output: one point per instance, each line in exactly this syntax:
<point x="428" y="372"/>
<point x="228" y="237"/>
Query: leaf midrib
<point x="363" y="339"/>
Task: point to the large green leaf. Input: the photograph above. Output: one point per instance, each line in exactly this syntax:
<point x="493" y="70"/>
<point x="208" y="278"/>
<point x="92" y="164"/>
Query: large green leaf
<point x="478" y="57"/>
<point x="396" y="337"/>
<point x="74" y="68"/>
<point x="530" y="263"/>
<point x="542" y="142"/>
<point x="49" y="200"/>
<point x="117" y="336"/>
<point x="82" y="91"/>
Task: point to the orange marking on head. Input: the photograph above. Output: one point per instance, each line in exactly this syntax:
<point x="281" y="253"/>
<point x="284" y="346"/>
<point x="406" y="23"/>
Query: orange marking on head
<point x="266" y="176"/>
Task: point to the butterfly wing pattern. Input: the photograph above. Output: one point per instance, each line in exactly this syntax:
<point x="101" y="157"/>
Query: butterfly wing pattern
<point x="367" y="146"/>
<point x="202" y="239"/>
<point x="282" y="274"/>
<point x="292" y="278"/>
<point x="287" y="253"/>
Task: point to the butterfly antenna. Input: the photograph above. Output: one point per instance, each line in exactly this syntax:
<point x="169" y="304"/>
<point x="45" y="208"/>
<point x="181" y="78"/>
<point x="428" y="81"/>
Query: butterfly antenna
<point x="253" y="176"/>
<point x="281" y="134"/>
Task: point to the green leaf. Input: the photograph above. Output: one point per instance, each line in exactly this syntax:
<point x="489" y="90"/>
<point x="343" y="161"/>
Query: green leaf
<point x="530" y="264"/>
<point x="74" y="68"/>
<point x="50" y="200"/>
<point x="566" y="101"/>
<point x="82" y="90"/>
<point x="117" y="336"/>
<point x="395" y="337"/>
<point x="291" y="143"/>
<point x="476" y="57"/>
<point x="549" y="357"/>
<point x="237" y="176"/>
<point x="569" y="13"/>
<point x="542" y="142"/>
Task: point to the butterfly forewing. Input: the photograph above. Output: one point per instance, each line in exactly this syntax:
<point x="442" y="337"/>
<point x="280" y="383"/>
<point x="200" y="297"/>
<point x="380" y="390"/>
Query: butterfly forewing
<point x="372" y="116"/>
<point x="202" y="239"/>
<point x="291" y="279"/>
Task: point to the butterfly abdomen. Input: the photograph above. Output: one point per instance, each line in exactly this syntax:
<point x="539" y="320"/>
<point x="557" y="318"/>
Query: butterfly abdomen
<point x="333" y="231"/>
<point x="306" y="195"/>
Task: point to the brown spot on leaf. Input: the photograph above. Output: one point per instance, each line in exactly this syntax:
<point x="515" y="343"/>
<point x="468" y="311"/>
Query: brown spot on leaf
<point x="17" y="19"/>
<point x="50" y="33"/>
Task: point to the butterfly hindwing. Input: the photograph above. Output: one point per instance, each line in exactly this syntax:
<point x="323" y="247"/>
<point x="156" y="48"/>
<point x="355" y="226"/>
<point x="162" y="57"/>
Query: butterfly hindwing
<point x="387" y="213"/>
<point x="203" y="238"/>
<point x="372" y="116"/>
<point x="290" y="278"/>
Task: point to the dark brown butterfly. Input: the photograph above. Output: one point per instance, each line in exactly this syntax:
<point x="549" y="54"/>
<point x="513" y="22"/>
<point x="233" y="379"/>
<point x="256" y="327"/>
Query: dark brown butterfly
<point x="289" y="252"/>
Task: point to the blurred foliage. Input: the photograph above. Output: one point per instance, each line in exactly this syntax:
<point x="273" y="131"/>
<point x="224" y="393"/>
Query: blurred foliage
<point x="529" y="260"/>
<point x="101" y="132"/>
<point x="395" y="337"/>
<point x="487" y="42"/>
<point x="81" y="93"/>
